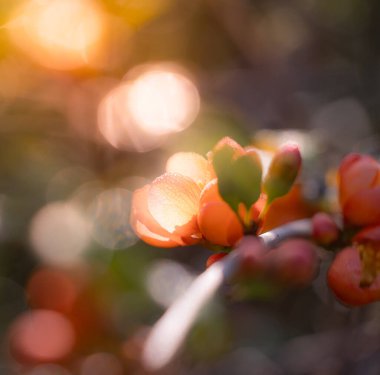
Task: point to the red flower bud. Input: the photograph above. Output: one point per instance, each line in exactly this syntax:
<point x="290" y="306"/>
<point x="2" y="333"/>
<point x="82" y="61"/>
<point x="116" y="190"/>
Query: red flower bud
<point x="252" y="251"/>
<point x="294" y="262"/>
<point x="325" y="230"/>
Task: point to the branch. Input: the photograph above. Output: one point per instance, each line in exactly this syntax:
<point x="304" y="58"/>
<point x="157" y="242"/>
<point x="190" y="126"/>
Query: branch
<point x="170" y="331"/>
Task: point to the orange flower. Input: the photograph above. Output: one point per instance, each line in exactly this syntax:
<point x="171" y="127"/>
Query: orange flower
<point x="367" y="241"/>
<point x="359" y="189"/>
<point x="183" y="206"/>
<point x="344" y="277"/>
<point x="188" y="204"/>
<point x="164" y="213"/>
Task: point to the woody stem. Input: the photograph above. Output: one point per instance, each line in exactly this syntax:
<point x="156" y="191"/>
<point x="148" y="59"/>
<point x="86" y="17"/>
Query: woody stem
<point x="168" y="334"/>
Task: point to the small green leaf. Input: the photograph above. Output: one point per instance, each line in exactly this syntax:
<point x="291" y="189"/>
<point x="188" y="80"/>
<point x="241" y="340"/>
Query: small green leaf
<point x="247" y="174"/>
<point x="239" y="179"/>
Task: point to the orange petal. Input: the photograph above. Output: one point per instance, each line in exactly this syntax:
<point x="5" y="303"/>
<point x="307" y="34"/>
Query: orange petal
<point x="358" y="174"/>
<point x="363" y="208"/>
<point x="190" y="164"/>
<point x="152" y="238"/>
<point x="173" y="202"/>
<point x="144" y="224"/>
<point x="210" y="193"/>
<point x="215" y="258"/>
<point x="219" y="224"/>
<point x="291" y="206"/>
<point x="255" y="209"/>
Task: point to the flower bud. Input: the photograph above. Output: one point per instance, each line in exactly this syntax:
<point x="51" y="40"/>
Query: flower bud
<point x="325" y="230"/>
<point x="282" y="172"/>
<point x="294" y="262"/>
<point x="252" y="252"/>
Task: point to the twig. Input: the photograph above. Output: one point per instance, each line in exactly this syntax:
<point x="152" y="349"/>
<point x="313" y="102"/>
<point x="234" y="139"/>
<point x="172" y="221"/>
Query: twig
<point x="170" y="331"/>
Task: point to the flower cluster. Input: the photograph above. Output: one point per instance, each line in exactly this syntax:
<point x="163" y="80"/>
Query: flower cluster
<point x="354" y="275"/>
<point x="215" y="200"/>
<point x="223" y="198"/>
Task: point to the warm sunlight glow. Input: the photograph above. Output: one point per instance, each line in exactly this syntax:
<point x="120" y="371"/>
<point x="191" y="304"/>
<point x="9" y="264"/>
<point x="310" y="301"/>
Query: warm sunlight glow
<point x="117" y="127"/>
<point x="153" y="102"/>
<point x="58" y="34"/>
<point x="163" y="101"/>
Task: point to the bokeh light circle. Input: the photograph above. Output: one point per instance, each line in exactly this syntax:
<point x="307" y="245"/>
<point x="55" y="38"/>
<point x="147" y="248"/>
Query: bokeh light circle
<point x="58" y="34"/>
<point x="153" y="102"/>
<point x="162" y="100"/>
<point x="41" y="336"/>
<point x="110" y="212"/>
<point x="101" y="364"/>
<point x="166" y="281"/>
<point x="59" y="234"/>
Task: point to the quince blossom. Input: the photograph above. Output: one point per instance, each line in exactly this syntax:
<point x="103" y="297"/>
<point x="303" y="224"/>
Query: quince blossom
<point x="354" y="275"/>
<point x="359" y="190"/>
<point x="216" y="199"/>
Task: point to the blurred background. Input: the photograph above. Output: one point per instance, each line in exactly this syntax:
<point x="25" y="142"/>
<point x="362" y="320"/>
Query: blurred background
<point x="94" y="97"/>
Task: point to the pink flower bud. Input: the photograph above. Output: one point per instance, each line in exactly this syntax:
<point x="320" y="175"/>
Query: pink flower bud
<point x="325" y="230"/>
<point x="252" y="252"/>
<point x="294" y="262"/>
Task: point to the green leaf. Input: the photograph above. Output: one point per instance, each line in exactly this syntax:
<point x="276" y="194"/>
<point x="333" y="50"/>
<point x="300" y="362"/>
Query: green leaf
<point x="246" y="174"/>
<point x="239" y="179"/>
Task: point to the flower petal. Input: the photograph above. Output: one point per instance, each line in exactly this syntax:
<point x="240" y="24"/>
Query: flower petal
<point x="173" y="202"/>
<point x="363" y="207"/>
<point x="369" y="234"/>
<point x="210" y="193"/>
<point x="190" y="164"/>
<point x="144" y="224"/>
<point x="219" y="224"/>
<point x="291" y="206"/>
<point x="357" y="173"/>
<point x="152" y="238"/>
<point x="344" y="277"/>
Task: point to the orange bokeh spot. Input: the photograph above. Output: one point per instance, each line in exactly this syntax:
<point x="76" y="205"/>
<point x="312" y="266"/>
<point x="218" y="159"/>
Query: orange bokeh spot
<point x="58" y="34"/>
<point x="52" y="289"/>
